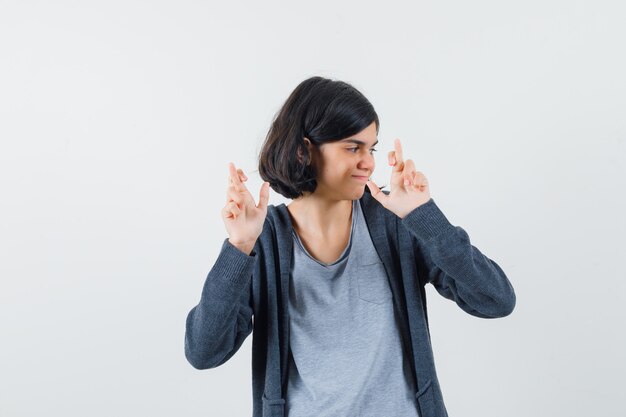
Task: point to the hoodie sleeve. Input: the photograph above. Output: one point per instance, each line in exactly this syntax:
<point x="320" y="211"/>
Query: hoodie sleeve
<point x="457" y="269"/>
<point x="217" y="327"/>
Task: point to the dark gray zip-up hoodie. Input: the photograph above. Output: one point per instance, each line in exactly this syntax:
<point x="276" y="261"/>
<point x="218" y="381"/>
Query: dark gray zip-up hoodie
<point x="244" y="293"/>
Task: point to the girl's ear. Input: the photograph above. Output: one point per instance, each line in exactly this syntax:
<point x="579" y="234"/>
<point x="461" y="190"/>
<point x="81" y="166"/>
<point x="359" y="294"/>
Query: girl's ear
<point x="309" y="146"/>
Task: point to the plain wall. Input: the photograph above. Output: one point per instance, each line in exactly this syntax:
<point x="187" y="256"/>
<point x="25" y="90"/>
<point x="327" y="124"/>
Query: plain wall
<point x="118" y="119"/>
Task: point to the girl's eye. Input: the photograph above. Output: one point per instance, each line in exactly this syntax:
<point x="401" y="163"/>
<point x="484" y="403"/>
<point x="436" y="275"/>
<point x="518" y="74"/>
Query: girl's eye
<point x="353" y="150"/>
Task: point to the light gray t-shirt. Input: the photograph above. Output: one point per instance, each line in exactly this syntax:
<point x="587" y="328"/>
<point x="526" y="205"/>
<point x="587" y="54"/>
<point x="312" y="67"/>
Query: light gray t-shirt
<point x="345" y="353"/>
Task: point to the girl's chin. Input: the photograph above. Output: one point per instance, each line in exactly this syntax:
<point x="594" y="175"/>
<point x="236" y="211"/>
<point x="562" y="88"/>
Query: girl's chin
<point x="359" y="192"/>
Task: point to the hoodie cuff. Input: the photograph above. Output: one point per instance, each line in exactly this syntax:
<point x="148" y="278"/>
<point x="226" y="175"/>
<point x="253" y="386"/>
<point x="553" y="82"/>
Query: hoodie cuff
<point x="427" y="221"/>
<point x="234" y="264"/>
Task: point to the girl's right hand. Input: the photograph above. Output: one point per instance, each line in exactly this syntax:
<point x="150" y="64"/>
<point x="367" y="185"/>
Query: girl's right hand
<point x="243" y="219"/>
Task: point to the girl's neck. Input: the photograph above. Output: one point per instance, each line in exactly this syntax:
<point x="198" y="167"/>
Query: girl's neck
<point x="312" y="215"/>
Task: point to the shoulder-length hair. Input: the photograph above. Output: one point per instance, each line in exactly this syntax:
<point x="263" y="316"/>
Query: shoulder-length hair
<point x="321" y="110"/>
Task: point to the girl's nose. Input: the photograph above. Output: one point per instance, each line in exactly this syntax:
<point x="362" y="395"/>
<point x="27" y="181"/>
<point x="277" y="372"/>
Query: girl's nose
<point x="368" y="162"/>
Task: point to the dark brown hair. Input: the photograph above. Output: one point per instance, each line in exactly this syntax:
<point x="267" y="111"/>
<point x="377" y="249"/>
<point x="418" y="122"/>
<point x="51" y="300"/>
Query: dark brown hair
<point x="321" y="110"/>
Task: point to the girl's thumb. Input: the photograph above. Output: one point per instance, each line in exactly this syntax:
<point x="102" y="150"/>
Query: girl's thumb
<point x="264" y="195"/>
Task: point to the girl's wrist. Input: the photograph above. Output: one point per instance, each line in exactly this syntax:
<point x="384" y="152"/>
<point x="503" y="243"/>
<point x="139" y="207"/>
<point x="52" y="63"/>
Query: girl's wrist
<point x="245" y="247"/>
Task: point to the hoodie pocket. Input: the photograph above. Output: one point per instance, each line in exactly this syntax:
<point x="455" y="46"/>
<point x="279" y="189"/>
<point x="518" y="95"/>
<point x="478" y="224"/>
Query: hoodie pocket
<point x="372" y="283"/>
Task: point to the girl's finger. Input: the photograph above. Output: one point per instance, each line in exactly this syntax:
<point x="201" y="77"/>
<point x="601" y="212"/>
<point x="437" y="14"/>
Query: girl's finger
<point x="234" y="177"/>
<point x="230" y="211"/>
<point x="227" y="214"/>
<point x="232" y="195"/>
<point x="398" y="151"/>
<point x="232" y="207"/>
<point x="264" y="196"/>
<point x="407" y="172"/>
<point x="241" y="174"/>
<point x="409" y="167"/>
<point x="391" y="158"/>
<point x="421" y="182"/>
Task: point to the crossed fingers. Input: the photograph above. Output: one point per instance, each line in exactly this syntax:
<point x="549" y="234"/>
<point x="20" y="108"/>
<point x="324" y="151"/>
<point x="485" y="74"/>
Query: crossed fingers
<point x="409" y="176"/>
<point x="236" y="177"/>
<point x="236" y="187"/>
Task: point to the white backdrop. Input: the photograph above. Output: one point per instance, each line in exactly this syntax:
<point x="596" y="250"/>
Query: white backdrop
<point x="118" y="119"/>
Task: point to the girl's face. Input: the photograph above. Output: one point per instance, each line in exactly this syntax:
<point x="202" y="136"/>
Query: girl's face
<point x="343" y="167"/>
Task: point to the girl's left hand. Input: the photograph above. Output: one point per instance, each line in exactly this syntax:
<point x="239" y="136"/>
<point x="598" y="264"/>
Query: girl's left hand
<point x="409" y="188"/>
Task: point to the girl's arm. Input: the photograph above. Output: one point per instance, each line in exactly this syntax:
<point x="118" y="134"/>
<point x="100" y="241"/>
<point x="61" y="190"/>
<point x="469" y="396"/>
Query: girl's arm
<point x="218" y="325"/>
<point x="458" y="270"/>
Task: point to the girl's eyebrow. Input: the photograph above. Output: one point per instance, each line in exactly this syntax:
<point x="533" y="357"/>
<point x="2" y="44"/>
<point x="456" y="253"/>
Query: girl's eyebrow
<point x="358" y="142"/>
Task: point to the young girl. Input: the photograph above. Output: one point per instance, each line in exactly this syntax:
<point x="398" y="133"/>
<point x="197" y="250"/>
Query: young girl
<point x="332" y="285"/>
